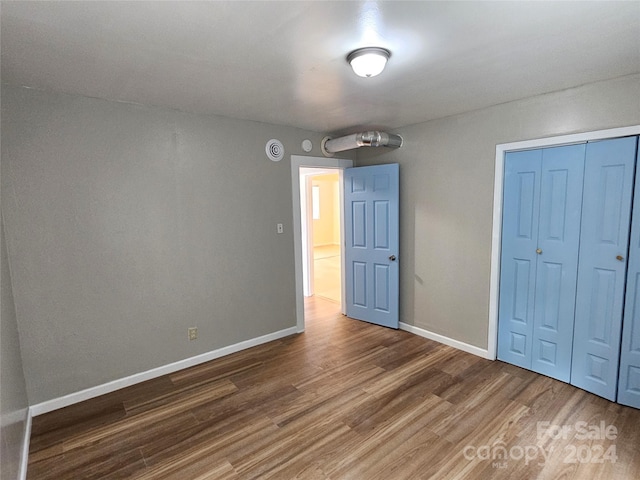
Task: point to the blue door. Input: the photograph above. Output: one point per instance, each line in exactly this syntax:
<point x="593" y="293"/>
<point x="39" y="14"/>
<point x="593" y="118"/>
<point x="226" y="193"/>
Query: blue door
<point x="522" y="172"/>
<point x="371" y="202"/>
<point x="629" y="379"/>
<point x="540" y="239"/>
<point x="604" y="239"/>
<point x="557" y="269"/>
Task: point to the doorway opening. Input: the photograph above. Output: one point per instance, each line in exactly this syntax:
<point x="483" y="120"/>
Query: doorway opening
<point x="324" y="233"/>
<point x="319" y="241"/>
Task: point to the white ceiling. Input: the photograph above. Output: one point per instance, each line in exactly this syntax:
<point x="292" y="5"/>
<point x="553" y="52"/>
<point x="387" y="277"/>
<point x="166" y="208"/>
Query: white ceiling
<point x="284" y="62"/>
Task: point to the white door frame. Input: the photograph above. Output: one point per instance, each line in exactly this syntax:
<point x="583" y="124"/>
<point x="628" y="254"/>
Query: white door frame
<point x="496" y="237"/>
<point x="298" y="161"/>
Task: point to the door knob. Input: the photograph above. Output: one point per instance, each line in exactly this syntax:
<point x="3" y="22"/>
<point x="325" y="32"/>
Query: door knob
<point x="538" y="251"/>
<point x="392" y="258"/>
<point x="620" y="258"/>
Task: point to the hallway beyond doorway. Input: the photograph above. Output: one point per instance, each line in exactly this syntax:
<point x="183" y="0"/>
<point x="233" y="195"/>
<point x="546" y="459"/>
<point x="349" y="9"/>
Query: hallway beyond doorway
<point x="327" y="274"/>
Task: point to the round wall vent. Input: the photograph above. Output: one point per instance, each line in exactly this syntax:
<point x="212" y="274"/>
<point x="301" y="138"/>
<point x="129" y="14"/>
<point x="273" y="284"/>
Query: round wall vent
<point x="275" y="150"/>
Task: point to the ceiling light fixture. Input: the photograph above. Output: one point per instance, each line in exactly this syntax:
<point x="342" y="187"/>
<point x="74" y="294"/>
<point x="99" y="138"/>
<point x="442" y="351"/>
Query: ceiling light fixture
<point x="369" y="61"/>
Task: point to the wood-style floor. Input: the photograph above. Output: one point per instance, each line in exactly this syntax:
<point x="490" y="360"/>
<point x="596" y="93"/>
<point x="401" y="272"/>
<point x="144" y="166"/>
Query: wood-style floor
<point x="344" y="400"/>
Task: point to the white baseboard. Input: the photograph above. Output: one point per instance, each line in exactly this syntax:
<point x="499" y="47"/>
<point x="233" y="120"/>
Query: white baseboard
<point x="465" y="347"/>
<point x="24" y="453"/>
<point x="72" y="398"/>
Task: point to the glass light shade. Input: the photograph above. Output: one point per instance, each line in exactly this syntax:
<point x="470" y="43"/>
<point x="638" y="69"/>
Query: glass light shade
<point x="368" y="62"/>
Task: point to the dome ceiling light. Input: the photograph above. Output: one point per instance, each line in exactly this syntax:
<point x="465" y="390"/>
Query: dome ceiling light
<point x="369" y="61"/>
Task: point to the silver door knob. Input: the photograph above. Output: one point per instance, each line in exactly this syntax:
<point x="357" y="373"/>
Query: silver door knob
<point x="392" y="258"/>
<point x="538" y="251"/>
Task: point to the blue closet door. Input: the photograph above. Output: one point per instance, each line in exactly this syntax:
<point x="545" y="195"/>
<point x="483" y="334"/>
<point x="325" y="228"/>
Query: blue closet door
<point x="604" y="239"/>
<point x="540" y="239"/>
<point x="521" y="206"/>
<point x="557" y="266"/>
<point x="629" y="381"/>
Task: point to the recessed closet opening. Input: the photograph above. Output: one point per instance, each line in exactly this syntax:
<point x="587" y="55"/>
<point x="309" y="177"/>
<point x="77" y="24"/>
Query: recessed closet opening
<point x="566" y="254"/>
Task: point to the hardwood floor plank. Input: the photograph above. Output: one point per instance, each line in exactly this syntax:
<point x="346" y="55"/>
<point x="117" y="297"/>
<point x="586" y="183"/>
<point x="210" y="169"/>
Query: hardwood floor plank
<point x="196" y="467"/>
<point x="289" y="449"/>
<point x="155" y="415"/>
<point x="216" y="440"/>
<point x="101" y="460"/>
<point x="406" y="374"/>
<point x="320" y="407"/>
<point x="252" y="399"/>
<point x="344" y="400"/>
<point x="226" y="366"/>
<point x="380" y="444"/>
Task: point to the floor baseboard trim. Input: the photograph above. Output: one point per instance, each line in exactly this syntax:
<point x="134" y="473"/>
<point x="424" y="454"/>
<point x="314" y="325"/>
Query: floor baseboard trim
<point x="24" y="453"/>
<point x="77" y="397"/>
<point x="465" y="347"/>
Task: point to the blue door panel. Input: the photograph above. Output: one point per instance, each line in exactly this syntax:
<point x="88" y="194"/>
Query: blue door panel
<point x="608" y="186"/>
<point x="517" y="346"/>
<point x="562" y="178"/>
<point x="381" y="288"/>
<point x="359" y="230"/>
<point x="359" y="285"/>
<point x="521" y="287"/>
<point x="357" y="183"/>
<point x="518" y="258"/>
<point x="381" y="224"/>
<point x="601" y="306"/>
<point x="528" y="183"/>
<point x="629" y="377"/>
<point x="549" y="295"/>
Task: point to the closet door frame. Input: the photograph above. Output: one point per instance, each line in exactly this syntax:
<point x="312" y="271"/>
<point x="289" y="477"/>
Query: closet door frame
<point x="501" y="150"/>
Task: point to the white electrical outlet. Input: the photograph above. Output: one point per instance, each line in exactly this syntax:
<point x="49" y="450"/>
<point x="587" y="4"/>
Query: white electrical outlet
<point x="193" y="333"/>
<point x="280" y="228"/>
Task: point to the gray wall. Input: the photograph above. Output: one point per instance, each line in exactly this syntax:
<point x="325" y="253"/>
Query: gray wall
<point x="13" y="394"/>
<point x="126" y="225"/>
<point x="446" y="189"/>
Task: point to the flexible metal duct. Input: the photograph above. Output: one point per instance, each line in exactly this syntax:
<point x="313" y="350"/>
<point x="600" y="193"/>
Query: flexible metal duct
<point x="364" y="139"/>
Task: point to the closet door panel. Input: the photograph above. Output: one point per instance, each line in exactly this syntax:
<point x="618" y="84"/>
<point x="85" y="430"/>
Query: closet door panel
<point x="558" y="244"/>
<point x="518" y="259"/>
<point x="629" y="378"/>
<point x="608" y="184"/>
